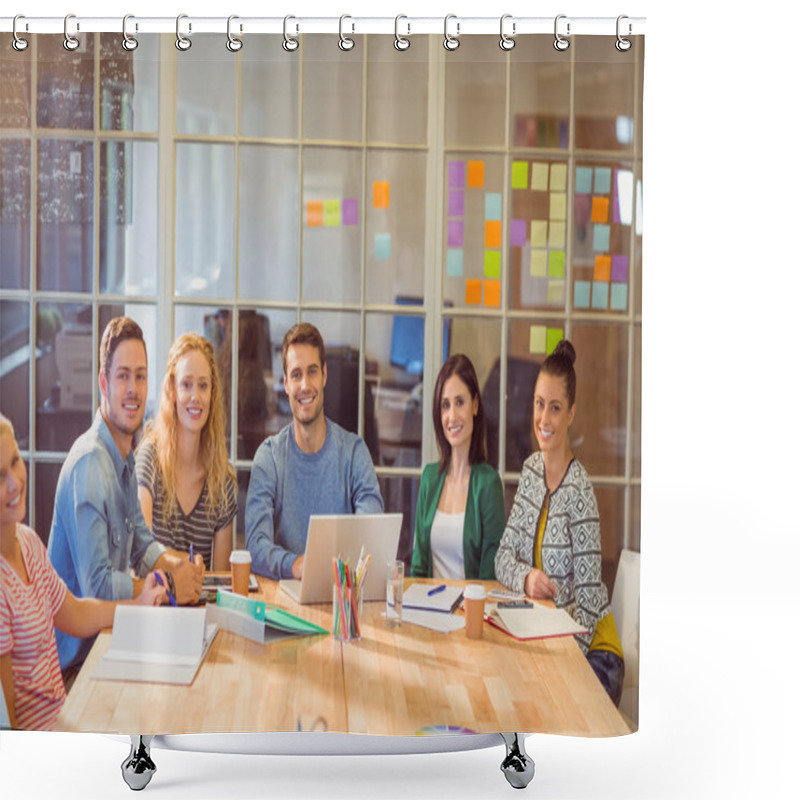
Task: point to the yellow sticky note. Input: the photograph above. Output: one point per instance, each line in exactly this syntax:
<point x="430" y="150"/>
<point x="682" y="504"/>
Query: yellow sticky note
<point x="314" y="213"/>
<point x="492" y="234"/>
<point x="600" y="209"/>
<point x="538" y="339"/>
<point x="380" y="194"/>
<point x="491" y="293"/>
<point x="558" y="235"/>
<point x="475" y="171"/>
<point x="539" y="176"/>
<point x="538" y="233"/>
<point x="555" y="291"/>
<point x="558" y="205"/>
<point x="558" y="178"/>
<point x="602" y="268"/>
<point x="473" y="291"/>
<point x="538" y="263"/>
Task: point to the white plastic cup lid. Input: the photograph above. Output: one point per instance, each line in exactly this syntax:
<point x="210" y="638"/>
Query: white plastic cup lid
<point x="240" y="557"/>
<point x="474" y="591"/>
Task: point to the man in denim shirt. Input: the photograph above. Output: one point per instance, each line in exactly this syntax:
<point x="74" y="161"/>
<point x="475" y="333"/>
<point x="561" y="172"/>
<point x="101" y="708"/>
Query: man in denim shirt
<point x="98" y="530"/>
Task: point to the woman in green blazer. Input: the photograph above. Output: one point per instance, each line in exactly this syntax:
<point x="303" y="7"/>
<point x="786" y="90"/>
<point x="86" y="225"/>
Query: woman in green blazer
<point x="460" y="509"/>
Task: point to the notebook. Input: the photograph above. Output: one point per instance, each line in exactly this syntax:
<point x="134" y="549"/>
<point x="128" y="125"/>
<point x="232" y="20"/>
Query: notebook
<point x="332" y="535"/>
<point x="535" y="621"/>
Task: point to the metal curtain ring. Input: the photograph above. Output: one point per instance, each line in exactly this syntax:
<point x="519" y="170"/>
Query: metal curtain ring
<point x="234" y="43"/>
<point x="290" y="43"/>
<point x="560" y="42"/>
<point x="70" y="42"/>
<point x="623" y="45"/>
<point x="345" y="43"/>
<point x="128" y="42"/>
<point x="401" y="42"/>
<point x="19" y="44"/>
<point x="182" y="42"/>
<point x="507" y="42"/>
<point x="451" y="42"/>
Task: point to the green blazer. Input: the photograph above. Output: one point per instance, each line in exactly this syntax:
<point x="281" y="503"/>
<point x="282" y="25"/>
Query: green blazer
<point x="484" y="521"/>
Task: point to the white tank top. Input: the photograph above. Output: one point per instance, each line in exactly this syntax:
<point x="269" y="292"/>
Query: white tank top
<point x="447" y="545"/>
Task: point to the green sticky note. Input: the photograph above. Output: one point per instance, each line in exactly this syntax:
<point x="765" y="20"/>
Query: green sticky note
<point x="538" y="233"/>
<point x="539" y="176"/>
<point x="583" y="294"/>
<point x="555" y="264"/>
<point x="455" y="262"/>
<point x="619" y="296"/>
<point x="491" y="264"/>
<point x="538" y="339"/>
<point x="538" y="263"/>
<point x="558" y="205"/>
<point x="519" y="175"/>
<point x="383" y="246"/>
<point x="558" y="178"/>
<point x="554" y="336"/>
<point x="558" y="235"/>
<point x="331" y="213"/>
<point x="555" y="292"/>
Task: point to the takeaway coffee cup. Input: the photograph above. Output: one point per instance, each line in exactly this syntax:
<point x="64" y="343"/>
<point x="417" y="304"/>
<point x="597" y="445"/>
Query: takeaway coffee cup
<point x="240" y="571"/>
<point x="474" y="601"/>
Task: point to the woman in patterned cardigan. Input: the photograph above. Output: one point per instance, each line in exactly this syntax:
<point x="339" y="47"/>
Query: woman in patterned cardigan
<point x="550" y="548"/>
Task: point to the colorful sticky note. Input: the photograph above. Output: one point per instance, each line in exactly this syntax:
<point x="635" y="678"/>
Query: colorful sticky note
<point x="558" y="177"/>
<point x="555" y="292"/>
<point x="602" y="268"/>
<point x="555" y="264"/>
<point x="517" y="233"/>
<point x="475" y="174"/>
<point x="473" y="291"/>
<point x="599" y="209"/>
<point x="491" y="293"/>
<point x="455" y="233"/>
<point x="538" y="339"/>
<point x="383" y="246"/>
<point x="558" y="235"/>
<point x="380" y="194"/>
<point x="455" y="262"/>
<point x="519" y="175"/>
<point x="558" y="205"/>
<point x="554" y="336"/>
<point x="492" y="231"/>
<point x="455" y="205"/>
<point x="538" y="263"/>
<point x="538" y="233"/>
<point x="602" y="180"/>
<point x="350" y="211"/>
<point x="539" y="174"/>
<point x="493" y="206"/>
<point x="455" y="174"/>
<point x="331" y="213"/>
<point x="582" y="293"/>
<point x="619" y="297"/>
<point x="314" y="213"/>
<point x="491" y="263"/>
<point x="602" y="236"/>
<point x="583" y="180"/>
<point x="600" y="295"/>
<point x="619" y="269"/>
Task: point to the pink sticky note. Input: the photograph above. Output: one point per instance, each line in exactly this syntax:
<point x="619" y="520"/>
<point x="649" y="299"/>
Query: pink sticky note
<point x="619" y="269"/>
<point x="350" y="211"/>
<point x="455" y="205"/>
<point x="456" y="173"/>
<point x="517" y="232"/>
<point x="455" y="233"/>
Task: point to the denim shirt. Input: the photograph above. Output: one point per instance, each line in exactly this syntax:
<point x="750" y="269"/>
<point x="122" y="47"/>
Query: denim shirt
<point x="98" y="530"/>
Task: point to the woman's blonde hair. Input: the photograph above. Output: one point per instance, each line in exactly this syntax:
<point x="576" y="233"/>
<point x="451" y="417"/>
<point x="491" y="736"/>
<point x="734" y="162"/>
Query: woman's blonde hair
<point x="5" y="424"/>
<point x="162" y="432"/>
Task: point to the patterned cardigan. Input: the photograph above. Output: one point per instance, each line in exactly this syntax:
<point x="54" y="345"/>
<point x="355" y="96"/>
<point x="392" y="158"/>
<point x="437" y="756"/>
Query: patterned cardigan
<point x="570" y="546"/>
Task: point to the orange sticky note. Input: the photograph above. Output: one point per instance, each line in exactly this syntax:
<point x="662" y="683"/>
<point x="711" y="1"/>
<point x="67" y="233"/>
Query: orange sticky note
<point x="474" y="291"/>
<point x="314" y="213"/>
<point x="475" y="174"/>
<point x="491" y="233"/>
<point x="602" y="268"/>
<point x="599" y="209"/>
<point x="380" y="194"/>
<point x="491" y="293"/>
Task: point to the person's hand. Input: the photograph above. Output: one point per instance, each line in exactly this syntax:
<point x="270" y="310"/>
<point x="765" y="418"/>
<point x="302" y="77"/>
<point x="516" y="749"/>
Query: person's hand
<point x="297" y="567"/>
<point x="152" y="593"/>
<point x="188" y="579"/>
<point x="539" y="586"/>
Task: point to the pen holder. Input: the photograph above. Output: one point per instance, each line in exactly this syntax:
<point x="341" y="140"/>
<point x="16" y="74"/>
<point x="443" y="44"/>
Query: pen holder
<point x="347" y="605"/>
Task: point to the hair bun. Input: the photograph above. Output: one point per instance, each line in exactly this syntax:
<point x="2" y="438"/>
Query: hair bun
<point x="565" y="349"/>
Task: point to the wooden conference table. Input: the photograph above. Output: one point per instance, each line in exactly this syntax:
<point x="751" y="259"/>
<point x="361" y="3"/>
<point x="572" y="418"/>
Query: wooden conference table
<point x="393" y="681"/>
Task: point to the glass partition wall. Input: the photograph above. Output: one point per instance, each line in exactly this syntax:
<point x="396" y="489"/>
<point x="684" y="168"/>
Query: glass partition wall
<point x="410" y="204"/>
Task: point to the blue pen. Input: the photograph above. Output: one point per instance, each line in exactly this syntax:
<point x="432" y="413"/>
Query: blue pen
<point x="436" y="590"/>
<point x="191" y="553"/>
<point x="161" y="583"/>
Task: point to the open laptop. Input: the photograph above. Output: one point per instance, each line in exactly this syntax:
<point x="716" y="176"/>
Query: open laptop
<point x="332" y="535"/>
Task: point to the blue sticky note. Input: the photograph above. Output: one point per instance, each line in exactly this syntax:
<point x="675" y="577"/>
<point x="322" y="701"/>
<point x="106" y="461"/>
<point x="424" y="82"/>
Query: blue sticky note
<point x="583" y="180"/>
<point x="383" y="246"/>
<point x="602" y="236"/>
<point x="619" y="296"/>
<point x="602" y="180"/>
<point x="455" y="262"/>
<point x="600" y="295"/>
<point x="494" y="206"/>
<point x="583" y="294"/>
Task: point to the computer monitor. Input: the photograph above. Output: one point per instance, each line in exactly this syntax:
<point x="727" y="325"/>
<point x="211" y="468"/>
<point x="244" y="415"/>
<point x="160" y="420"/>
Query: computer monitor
<point x="408" y="338"/>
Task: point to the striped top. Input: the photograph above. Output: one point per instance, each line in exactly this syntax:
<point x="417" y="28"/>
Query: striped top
<point x="27" y="632"/>
<point x="195" y="528"/>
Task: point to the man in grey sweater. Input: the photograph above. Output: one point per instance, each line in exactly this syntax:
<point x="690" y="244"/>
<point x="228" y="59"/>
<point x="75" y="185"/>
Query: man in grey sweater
<point x="313" y="466"/>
